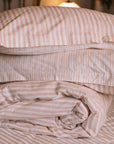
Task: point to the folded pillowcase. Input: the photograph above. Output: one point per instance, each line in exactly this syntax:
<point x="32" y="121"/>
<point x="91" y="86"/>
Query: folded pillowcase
<point x="33" y="27"/>
<point x="80" y="66"/>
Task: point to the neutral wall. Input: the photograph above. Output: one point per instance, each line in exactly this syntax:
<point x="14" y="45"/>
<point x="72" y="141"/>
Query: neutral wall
<point x="14" y="4"/>
<point x="1" y="5"/>
<point x="112" y="7"/>
<point x="85" y="3"/>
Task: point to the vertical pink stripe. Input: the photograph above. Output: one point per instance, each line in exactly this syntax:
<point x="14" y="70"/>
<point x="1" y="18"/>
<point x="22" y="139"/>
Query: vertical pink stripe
<point x="56" y="29"/>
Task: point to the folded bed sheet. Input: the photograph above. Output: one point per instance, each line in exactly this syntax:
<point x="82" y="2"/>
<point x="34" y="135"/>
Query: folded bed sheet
<point x="63" y="94"/>
<point x="54" y="108"/>
<point x="105" y="135"/>
<point x="92" y="68"/>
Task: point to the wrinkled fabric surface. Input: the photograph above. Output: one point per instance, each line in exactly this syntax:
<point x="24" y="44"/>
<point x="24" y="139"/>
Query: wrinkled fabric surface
<point x="105" y="135"/>
<point x="55" y="81"/>
<point x="59" y="108"/>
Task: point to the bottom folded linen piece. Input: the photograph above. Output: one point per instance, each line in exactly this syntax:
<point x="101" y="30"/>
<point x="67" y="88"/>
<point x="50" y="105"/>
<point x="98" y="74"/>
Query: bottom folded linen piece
<point x="56" y="108"/>
<point x="105" y="135"/>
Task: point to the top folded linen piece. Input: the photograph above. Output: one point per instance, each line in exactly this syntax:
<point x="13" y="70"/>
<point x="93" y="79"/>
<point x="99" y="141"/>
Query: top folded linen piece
<point x="56" y="70"/>
<point x="39" y="30"/>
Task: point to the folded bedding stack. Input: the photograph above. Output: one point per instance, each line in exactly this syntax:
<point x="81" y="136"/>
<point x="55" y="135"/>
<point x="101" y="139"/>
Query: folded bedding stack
<point x="56" y="70"/>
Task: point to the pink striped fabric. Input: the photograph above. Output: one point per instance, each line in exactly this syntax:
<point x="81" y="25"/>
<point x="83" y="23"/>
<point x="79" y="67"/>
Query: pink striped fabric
<point x="54" y="108"/>
<point x="105" y="135"/>
<point x="101" y="88"/>
<point x="33" y="27"/>
<point x="65" y="57"/>
<point x="42" y="30"/>
<point x="94" y="68"/>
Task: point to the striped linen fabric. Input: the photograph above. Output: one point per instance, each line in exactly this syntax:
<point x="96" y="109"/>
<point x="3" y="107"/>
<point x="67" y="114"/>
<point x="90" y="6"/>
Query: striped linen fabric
<point x="101" y="88"/>
<point x="105" y="135"/>
<point x="94" y="68"/>
<point x="59" y="108"/>
<point x="62" y="60"/>
<point x="36" y="30"/>
<point x="26" y="30"/>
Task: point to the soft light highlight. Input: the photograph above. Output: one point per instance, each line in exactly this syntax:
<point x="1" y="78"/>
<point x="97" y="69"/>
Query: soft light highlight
<point x="69" y="4"/>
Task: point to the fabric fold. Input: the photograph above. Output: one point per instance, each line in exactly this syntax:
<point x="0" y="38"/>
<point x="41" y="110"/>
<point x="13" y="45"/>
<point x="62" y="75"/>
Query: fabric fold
<point x="42" y="50"/>
<point x="55" y="108"/>
<point x="93" y="68"/>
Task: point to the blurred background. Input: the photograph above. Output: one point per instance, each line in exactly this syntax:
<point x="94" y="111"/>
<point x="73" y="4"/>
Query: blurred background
<point x="100" y="5"/>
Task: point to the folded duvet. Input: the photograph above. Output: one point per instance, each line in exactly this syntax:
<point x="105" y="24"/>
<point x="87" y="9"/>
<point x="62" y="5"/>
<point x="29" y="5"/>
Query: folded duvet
<point x="61" y="109"/>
